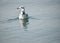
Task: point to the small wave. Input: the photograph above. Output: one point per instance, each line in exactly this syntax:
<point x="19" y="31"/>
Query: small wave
<point x="34" y="18"/>
<point x="1" y="22"/>
<point x="9" y="20"/>
<point x="14" y="19"/>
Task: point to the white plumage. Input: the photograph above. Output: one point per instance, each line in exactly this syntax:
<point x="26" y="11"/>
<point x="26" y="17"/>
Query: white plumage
<point x="22" y="14"/>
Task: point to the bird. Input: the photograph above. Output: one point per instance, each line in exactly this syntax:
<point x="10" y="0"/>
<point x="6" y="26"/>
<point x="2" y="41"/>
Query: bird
<point x="22" y="13"/>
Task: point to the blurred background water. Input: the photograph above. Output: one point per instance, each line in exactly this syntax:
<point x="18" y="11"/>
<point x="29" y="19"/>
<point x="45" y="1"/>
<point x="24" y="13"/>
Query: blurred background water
<point x="42" y="27"/>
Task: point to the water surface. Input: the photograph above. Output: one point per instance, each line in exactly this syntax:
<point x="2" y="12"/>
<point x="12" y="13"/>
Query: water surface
<point x="43" y="26"/>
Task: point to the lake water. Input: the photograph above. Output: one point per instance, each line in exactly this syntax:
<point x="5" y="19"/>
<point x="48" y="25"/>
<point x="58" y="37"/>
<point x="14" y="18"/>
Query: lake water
<point x="43" y="26"/>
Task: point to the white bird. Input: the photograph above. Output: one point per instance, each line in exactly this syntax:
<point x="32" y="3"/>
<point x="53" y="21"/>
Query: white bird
<point x="22" y="14"/>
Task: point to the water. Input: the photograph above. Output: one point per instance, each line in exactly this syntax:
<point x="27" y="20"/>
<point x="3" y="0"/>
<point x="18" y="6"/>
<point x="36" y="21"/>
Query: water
<point x="43" y="26"/>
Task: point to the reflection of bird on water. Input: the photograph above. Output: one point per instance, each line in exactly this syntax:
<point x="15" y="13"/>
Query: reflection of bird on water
<point x="24" y="23"/>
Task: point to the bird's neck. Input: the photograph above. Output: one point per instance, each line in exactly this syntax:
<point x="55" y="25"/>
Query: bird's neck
<point x="22" y="12"/>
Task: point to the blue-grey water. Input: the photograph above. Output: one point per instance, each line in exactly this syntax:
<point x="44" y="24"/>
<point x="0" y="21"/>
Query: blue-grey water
<point x="43" y="26"/>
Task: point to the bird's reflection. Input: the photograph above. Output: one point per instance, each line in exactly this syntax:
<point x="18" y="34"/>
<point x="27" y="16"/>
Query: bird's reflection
<point x="24" y="23"/>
